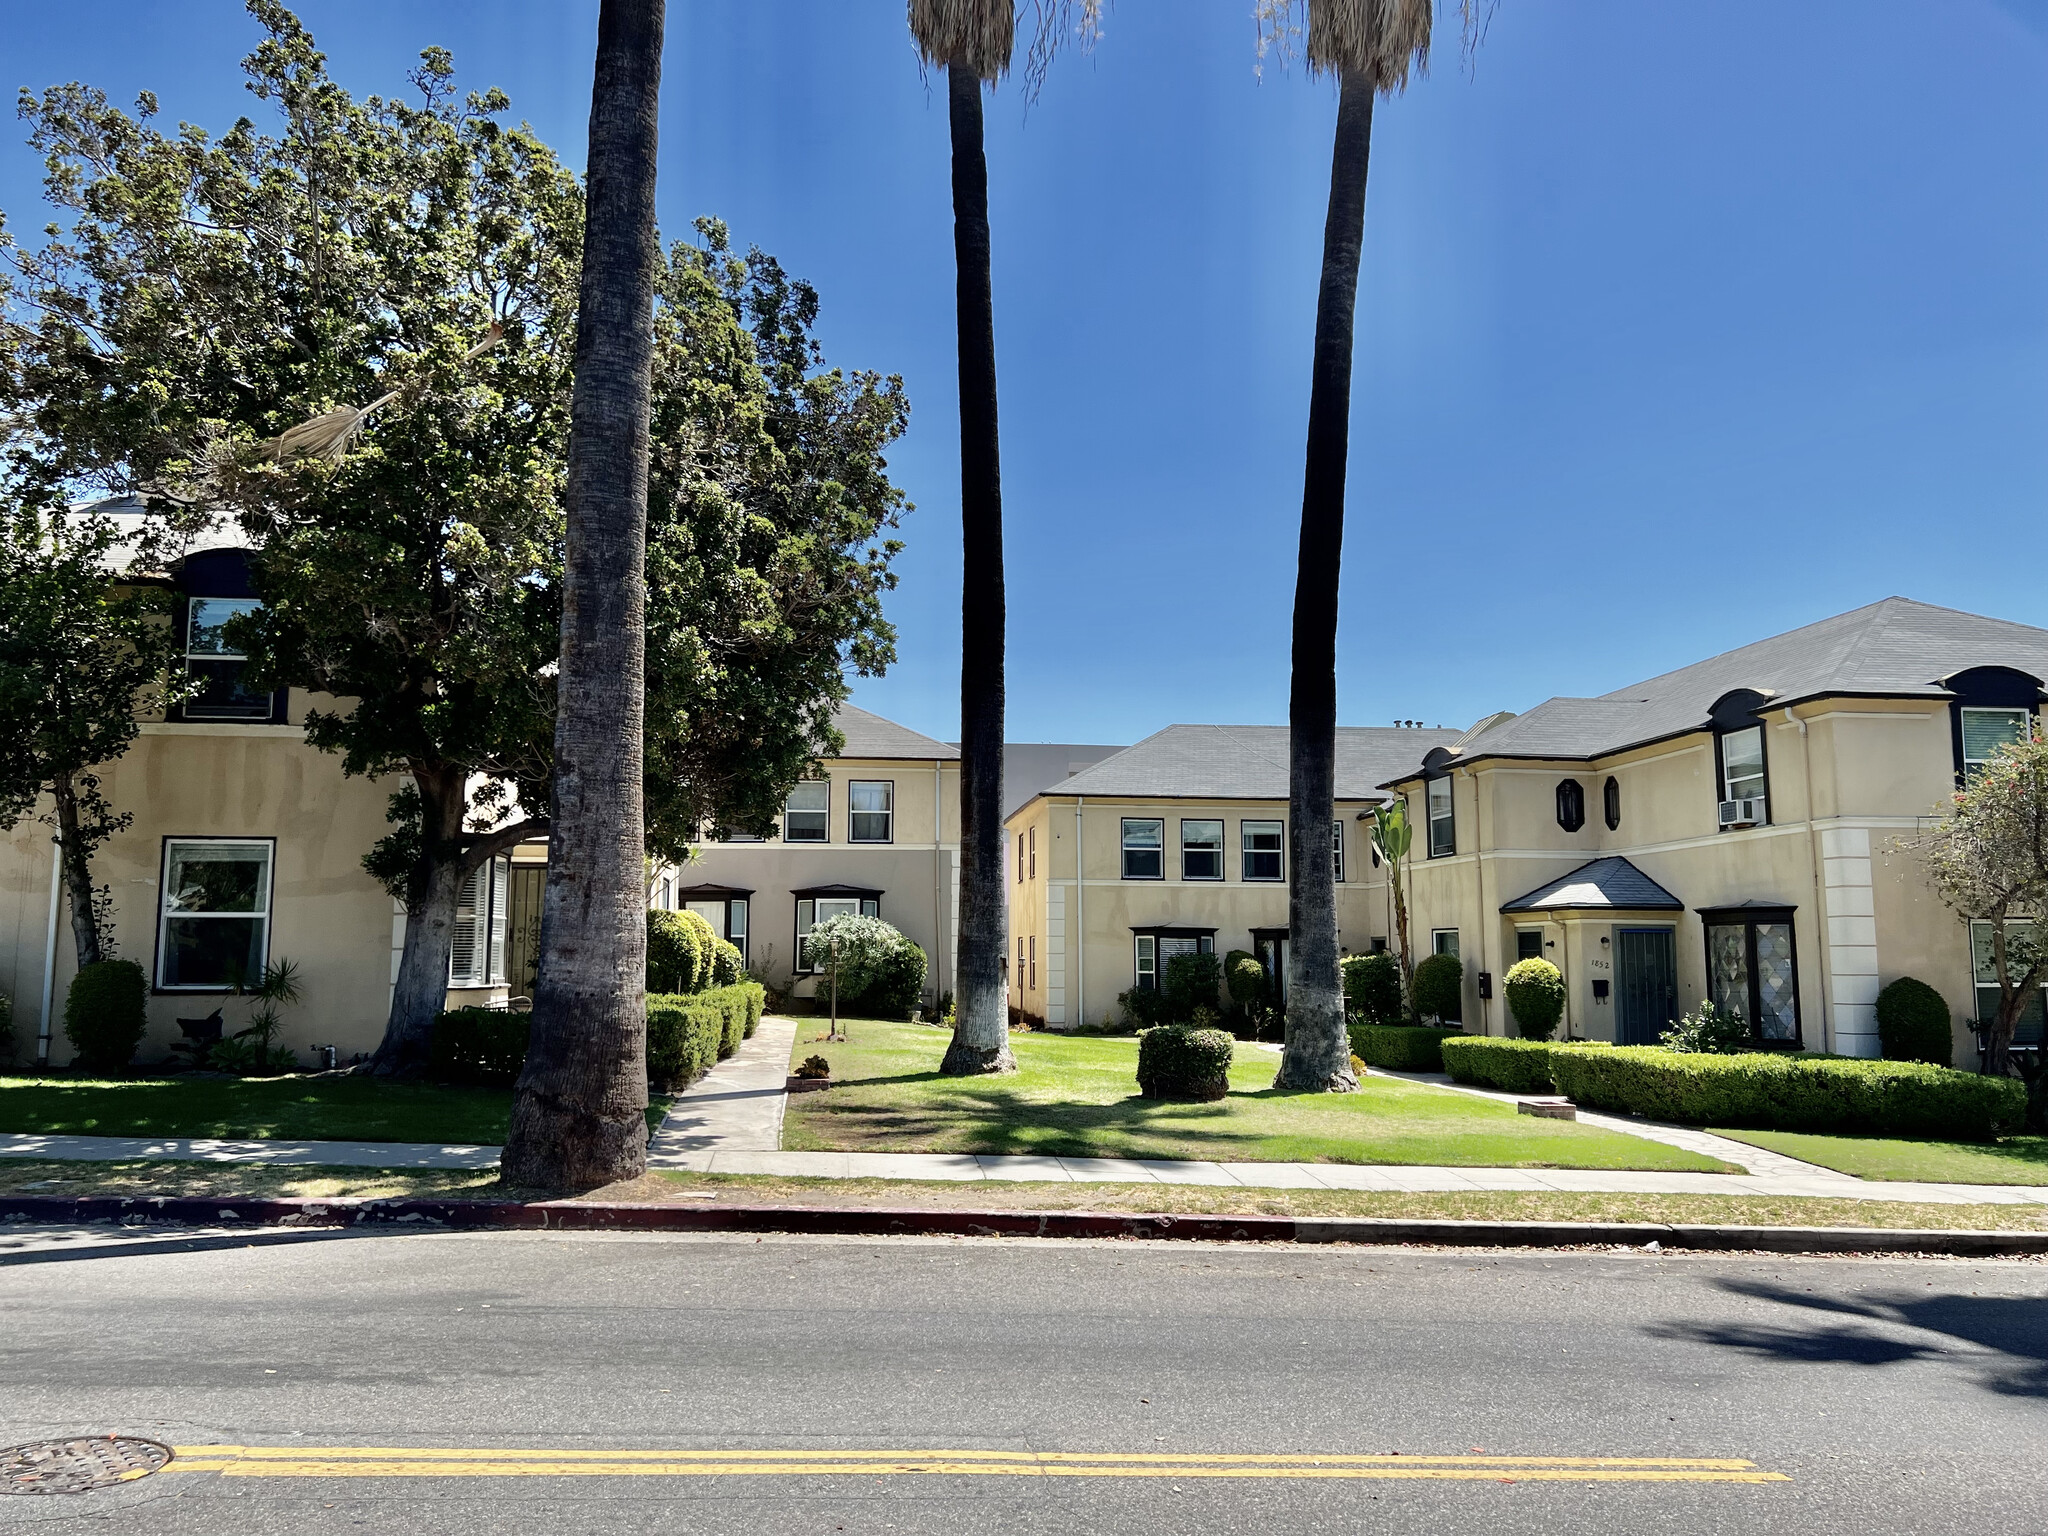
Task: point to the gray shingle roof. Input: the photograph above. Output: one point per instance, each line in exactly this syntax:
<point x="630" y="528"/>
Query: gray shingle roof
<point x="1248" y="762"/>
<point x="869" y="735"/>
<point x="1609" y="882"/>
<point x="1894" y="648"/>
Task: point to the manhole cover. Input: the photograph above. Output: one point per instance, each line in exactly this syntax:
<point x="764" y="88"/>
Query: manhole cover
<point x="79" y="1466"/>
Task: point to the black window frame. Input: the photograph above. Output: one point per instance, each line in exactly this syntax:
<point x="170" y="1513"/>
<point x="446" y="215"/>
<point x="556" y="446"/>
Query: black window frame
<point x="218" y="575"/>
<point x="1449" y="818"/>
<point x="1610" y="803"/>
<point x="1125" y="850"/>
<point x="1749" y="918"/>
<point x="870" y="842"/>
<point x="1278" y="851"/>
<point x="810" y="810"/>
<point x="1988" y="688"/>
<point x="1220" y="852"/>
<point x="1571" y="804"/>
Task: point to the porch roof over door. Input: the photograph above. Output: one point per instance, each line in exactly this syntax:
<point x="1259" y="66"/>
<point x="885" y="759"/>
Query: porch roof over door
<point x="1609" y="884"/>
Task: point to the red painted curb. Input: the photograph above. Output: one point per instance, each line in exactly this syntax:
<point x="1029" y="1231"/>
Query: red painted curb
<point x="855" y="1221"/>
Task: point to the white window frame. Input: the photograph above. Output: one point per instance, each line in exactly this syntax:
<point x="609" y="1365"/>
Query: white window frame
<point x="791" y="810"/>
<point x="1447" y="818"/>
<point x="1761" y="778"/>
<point x="486" y="891"/>
<point x="1337" y="846"/>
<point x="1034" y="962"/>
<point x="164" y="914"/>
<point x="1437" y="946"/>
<point x="887" y="813"/>
<point x="1973" y="765"/>
<point x="1145" y="962"/>
<point x="1033" y="850"/>
<point x="808" y="917"/>
<point x="1278" y="851"/>
<point x="1125" y="847"/>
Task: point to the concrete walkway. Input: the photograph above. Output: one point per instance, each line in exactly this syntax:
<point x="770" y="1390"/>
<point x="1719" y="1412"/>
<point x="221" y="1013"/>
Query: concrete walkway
<point x="730" y="1122"/>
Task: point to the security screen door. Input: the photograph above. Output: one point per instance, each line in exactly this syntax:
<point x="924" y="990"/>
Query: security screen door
<point x="1645" y="984"/>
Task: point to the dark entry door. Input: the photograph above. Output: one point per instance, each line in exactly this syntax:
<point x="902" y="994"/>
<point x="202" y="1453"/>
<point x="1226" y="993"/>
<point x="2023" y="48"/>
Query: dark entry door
<point x="1645" y="984"/>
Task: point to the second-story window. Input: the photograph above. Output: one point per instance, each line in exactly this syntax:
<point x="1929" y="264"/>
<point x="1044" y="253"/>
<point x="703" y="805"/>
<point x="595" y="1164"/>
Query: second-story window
<point x="1743" y="803"/>
<point x="1985" y="731"/>
<point x="807" y="814"/>
<point x="1443" y="820"/>
<point x="870" y="811"/>
<point x="1337" y="847"/>
<point x="1201" y="850"/>
<point x="217" y="665"/>
<point x="1571" y="804"/>
<point x="1262" y="843"/>
<point x="1144" y="848"/>
<point x="1032" y="850"/>
<point x="1611" y="797"/>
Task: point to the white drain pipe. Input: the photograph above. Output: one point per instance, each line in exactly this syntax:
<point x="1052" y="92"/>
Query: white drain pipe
<point x="50" y="957"/>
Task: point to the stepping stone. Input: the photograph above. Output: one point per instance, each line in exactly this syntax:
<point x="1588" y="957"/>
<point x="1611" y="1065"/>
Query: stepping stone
<point x="1549" y="1109"/>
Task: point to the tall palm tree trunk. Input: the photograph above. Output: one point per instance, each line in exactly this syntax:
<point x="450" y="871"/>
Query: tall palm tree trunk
<point x="578" y="1120"/>
<point x="1318" y="1052"/>
<point x="981" y="1035"/>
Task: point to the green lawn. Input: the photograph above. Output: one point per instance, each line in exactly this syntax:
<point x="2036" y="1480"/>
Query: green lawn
<point x="1076" y="1096"/>
<point x="2016" y="1160"/>
<point x="301" y="1108"/>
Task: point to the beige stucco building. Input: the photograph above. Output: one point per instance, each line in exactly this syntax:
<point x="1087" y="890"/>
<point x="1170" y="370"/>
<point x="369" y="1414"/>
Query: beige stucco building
<point x="1182" y="846"/>
<point x="1734" y="831"/>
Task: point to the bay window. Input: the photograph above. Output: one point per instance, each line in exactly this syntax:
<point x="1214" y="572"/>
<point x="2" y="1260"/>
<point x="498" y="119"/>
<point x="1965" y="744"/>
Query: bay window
<point x="813" y="910"/>
<point x="1753" y="972"/>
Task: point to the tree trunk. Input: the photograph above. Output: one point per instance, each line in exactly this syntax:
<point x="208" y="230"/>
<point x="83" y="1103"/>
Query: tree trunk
<point x="579" y="1117"/>
<point x="981" y="1033"/>
<point x="1317" y="1055"/>
<point x="421" y="991"/>
<point x="1401" y="938"/>
<point x="77" y="866"/>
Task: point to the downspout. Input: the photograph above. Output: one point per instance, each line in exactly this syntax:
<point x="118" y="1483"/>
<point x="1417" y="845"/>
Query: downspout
<point x="938" y="879"/>
<point x="49" y="959"/>
<point x="1080" y="940"/>
<point x="1827" y="1014"/>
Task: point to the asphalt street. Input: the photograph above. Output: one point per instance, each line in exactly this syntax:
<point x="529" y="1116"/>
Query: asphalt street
<point x="424" y="1382"/>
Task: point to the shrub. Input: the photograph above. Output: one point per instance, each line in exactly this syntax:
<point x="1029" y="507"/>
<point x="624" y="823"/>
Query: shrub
<point x="1179" y="1063"/>
<point x="1792" y="1092"/>
<point x="1372" y="988"/>
<point x="1143" y="1008"/>
<point x="1400" y="1048"/>
<point x="1513" y="1066"/>
<point x="1913" y="1023"/>
<point x="246" y="1056"/>
<point x="103" y="1014"/>
<point x="1535" y="993"/>
<point x="485" y="1046"/>
<point x="1190" y="982"/>
<point x="686" y="1035"/>
<point x="6" y="1030"/>
<point x="1440" y="988"/>
<point x="895" y="985"/>
<point x="1709" y="1032"/>
<point x="852" y="948"/>
<point x="812" y="1067"/>
<point x="1244" y="978"/>
<point x="728" y="969"/>
<point x="678" y="951"/>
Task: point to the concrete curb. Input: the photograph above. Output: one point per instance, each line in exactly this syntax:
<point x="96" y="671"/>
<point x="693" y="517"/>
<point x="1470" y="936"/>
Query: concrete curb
<point x="855" y="1221"/>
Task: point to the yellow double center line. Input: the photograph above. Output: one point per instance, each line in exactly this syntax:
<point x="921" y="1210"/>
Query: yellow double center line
<point x="503" y="1461"/>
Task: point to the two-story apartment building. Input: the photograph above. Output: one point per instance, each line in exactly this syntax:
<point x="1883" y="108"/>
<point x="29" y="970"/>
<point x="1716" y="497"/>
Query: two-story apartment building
<point x="1733" y="831"/>
<point x="1179" y="844"/>
<point x="878" y="831"/>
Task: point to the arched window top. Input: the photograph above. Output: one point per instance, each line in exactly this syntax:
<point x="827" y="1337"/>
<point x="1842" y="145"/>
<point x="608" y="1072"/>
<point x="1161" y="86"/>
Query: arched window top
<point x="1740" y="708"/>
<point x="1571" y="805"/>
<point x="1611" y="798"/>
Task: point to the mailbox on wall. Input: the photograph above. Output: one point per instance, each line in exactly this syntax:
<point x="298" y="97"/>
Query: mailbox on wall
<point x="1486" y="986"/>
<point x="1599" y="991"/>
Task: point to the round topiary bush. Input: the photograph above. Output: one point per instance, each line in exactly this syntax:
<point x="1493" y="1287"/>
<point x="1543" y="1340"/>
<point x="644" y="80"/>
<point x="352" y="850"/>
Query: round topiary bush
<point x="1175" y="1062"/>
<point x="727" y="968"/>
<point x="1244" y="977"/>
<point x="1440" y="988"/>
<point x="677" y="950"/>
<point x="1913" y="1023"/>
<point x="103" y="1014"/>
<point x="1372" y="987"/>
<point x="1535" y="992"/>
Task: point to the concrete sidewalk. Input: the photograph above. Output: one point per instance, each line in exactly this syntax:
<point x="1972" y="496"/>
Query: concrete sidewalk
<point x="735" y="1107"/>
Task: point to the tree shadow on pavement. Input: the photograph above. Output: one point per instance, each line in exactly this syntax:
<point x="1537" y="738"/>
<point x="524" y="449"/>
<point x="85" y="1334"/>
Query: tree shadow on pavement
<point x="2006" y="1334"/>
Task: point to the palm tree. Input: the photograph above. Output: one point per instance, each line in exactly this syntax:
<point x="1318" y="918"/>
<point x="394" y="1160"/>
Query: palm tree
<point x="579" y="1117"/>
<point x="1369" y="45"/>
<point x="972" y="41"/>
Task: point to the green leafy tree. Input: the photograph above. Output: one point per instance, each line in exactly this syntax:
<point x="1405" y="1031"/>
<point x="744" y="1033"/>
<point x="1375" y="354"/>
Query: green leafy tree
<point x="81" y="658"/>
<point x="360" y="331"/>
<point x="1988" y="857"/>
<point x="1392" y="836"/>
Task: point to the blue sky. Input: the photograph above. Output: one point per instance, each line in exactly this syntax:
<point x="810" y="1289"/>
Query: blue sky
<point x="1679" y="325"/>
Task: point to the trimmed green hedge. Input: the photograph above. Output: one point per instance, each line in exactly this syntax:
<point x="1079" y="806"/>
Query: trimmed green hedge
<point x="1372" y="987"/>
<point x="1401" y="1047"/>
<point x="1175" y="1062"/>
<point x="1513" y="1066"/>
<point x="1787" y="1092"/>
<point x="1439" y="988"/>
<point x="687" y="1036"/>
<point x="105" y="1014"/>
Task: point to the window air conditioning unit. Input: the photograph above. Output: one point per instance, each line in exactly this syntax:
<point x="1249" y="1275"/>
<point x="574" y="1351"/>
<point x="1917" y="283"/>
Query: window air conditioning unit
<point x="1747" y="812"/>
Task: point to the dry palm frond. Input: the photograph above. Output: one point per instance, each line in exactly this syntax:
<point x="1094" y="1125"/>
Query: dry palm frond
<point x="980" y="35"/>
<point x="1377" y="39"/>
<point x="328" y="435"/>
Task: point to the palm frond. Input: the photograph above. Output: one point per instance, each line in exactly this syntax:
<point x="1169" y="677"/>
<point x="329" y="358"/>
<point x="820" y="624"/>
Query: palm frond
<point x="981" y="35"/>
<point x="1378" y="39"/>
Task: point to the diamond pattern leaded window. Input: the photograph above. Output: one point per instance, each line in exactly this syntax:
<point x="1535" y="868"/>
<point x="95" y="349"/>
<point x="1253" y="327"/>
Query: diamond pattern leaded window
<point x="1776" y="985"/>
<point x="1753" y="975"/>
<point x="1728" y="962"/>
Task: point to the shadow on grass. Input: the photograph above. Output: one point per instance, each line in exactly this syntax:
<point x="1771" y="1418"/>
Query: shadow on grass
<point x="2009" y="1334"/>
